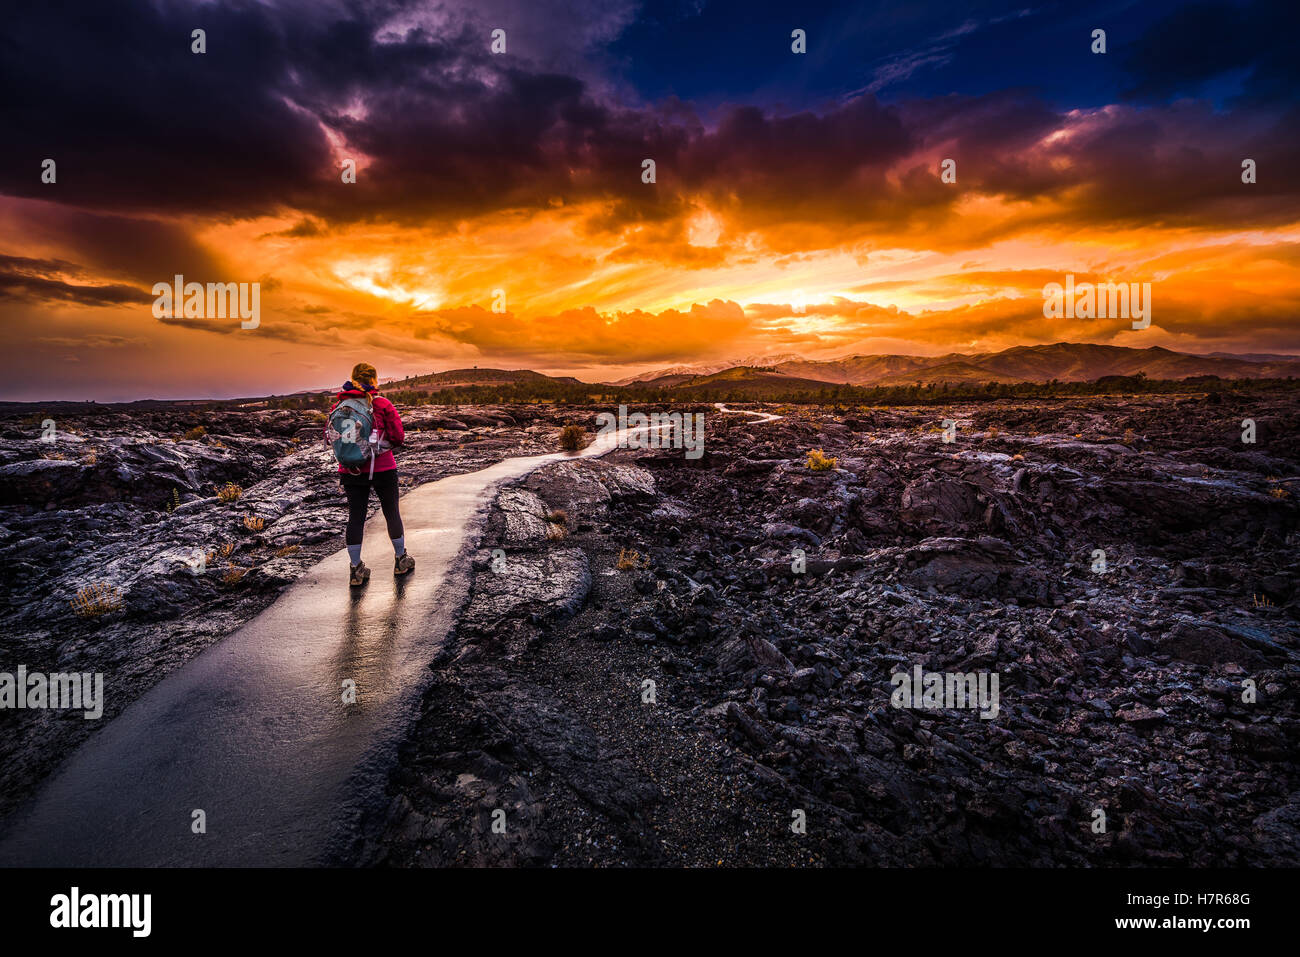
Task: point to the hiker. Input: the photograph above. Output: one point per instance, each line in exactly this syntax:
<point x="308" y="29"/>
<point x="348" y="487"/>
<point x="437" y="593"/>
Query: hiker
<point x="363" y="428"/>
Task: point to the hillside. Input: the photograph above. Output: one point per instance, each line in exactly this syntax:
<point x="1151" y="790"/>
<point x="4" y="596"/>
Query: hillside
<point x="469" y="377"/>
<point x="757" y="383"/>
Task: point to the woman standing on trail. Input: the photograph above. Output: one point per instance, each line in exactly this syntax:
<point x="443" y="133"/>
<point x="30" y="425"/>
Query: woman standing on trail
<point x="363" y="428"/>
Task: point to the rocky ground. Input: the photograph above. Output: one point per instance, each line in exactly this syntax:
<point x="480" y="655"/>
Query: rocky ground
<point x="1120" y="690"/>
<point x="126" y="500"/>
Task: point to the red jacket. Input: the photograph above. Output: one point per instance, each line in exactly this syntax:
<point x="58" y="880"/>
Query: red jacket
<point x="387" y="424"/>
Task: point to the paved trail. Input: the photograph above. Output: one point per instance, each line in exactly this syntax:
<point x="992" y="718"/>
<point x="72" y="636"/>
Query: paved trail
<point x="253" y="731"/>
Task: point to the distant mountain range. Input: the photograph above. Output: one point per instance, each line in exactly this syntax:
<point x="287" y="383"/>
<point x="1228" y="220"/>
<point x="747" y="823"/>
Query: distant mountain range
<point x="776" y="376"/>
<point x="1063" y="361"/>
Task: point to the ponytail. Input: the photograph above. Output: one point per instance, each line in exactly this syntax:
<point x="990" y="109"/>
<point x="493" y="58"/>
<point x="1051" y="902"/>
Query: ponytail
<point x="365" y="376"/>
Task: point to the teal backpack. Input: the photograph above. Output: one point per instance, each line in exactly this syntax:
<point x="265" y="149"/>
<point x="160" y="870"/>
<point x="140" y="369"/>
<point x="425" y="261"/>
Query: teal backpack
<point x="348" y="433"/>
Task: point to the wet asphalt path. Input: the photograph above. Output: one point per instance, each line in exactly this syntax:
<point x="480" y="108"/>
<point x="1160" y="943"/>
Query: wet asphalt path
<point x="254" y="730"/>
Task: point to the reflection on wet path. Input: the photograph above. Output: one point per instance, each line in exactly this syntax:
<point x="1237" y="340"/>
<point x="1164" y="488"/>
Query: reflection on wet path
<point x="254" y="730"/>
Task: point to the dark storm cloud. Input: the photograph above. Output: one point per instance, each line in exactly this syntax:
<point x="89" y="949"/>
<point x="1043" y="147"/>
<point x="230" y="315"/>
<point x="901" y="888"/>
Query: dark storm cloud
<point x="1122" y="165"/>
<point x="135" y="121"/>
<point x="445" y="131"/>
<point x="117" y="246"/>
<point x="37" y="280"/>
<point x="788" y="158"/>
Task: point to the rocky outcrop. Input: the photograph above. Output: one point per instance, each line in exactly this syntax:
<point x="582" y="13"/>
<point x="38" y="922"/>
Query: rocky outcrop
<point x="1134" y="595"/>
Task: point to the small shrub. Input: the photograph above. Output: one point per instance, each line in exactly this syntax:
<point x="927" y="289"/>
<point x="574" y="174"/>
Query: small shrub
<point x="286" y="551"/>
<point x="572" y="438"/>
<point x="254" y="523"/>
<point x="229" y="492"/>
<point x="95" y="600"/>
<point x="1129" y="436"/>
<point x="226" y="550"/>
<point x="233" y="574"/>
<point x="1278" y="492"/>
<point x="196" y="433"/>
<point x="818" y="462"/>
<point x="559" y="517"/>
<point x="994" y="432"/>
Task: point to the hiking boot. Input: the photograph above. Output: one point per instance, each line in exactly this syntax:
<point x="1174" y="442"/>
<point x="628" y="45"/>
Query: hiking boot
<point x="404" y="564"/>
<point x="360" y="574"/>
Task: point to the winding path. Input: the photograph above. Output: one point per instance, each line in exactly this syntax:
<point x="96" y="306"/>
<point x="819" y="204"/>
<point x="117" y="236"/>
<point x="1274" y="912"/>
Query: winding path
<point x="760" y="416"/>
<point x="253" y="731"/>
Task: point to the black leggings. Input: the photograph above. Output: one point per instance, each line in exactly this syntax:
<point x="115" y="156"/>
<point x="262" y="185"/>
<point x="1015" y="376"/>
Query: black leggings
<point x="357" y="488"/>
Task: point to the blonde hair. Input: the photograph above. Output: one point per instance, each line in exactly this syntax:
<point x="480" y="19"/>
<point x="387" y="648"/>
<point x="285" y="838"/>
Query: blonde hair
<point x="363" y="374"/>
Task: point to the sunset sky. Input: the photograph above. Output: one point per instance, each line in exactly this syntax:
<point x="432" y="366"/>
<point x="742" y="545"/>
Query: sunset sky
<point x="798" y="205"/>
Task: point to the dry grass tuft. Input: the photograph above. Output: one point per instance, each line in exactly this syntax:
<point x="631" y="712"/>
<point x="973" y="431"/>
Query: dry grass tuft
<point x="630" y="559"/>
<point x="818" y="462"/>
<point x="95" y="600"/>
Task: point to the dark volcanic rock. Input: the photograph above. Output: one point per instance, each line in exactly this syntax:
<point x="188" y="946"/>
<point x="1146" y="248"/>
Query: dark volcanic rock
<point x="1133" y="597"/>
<point x="1203" y="644"/>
